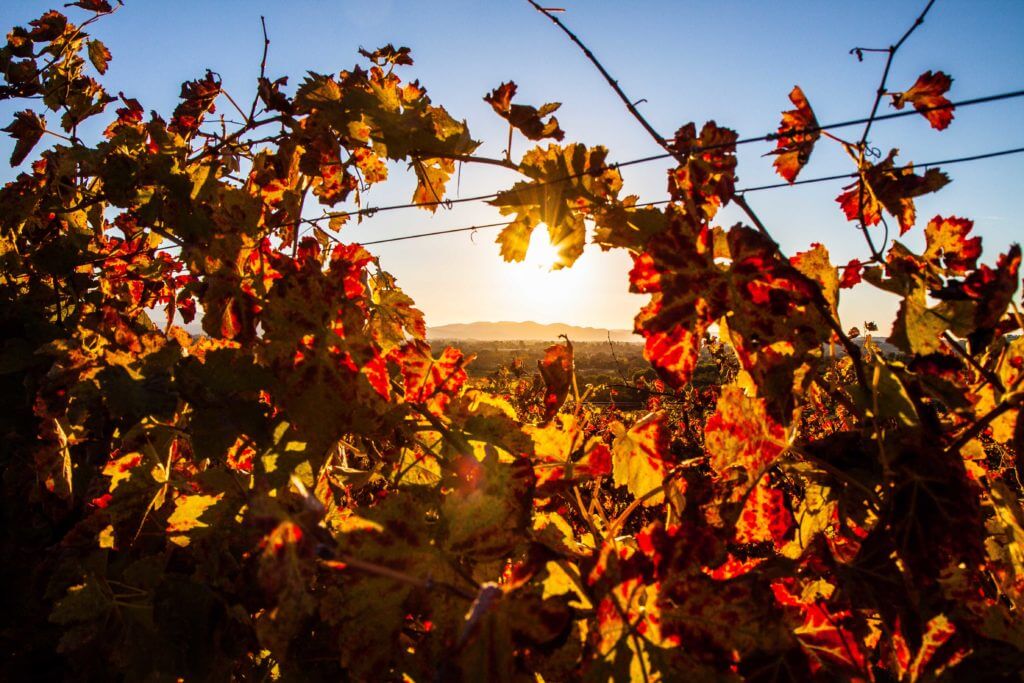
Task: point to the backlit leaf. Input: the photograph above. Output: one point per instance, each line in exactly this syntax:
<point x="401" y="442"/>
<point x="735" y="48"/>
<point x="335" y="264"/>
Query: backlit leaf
<point x="929" y="91"/>
<point x="99" y="55"/>
<point x="526" y="119"/>
<point x="641" y="458"/>
<point x="557" y="370"/>
<point x="797" y="135"/>
<point x="886" y="186"/>
<point x="741" y="434"/>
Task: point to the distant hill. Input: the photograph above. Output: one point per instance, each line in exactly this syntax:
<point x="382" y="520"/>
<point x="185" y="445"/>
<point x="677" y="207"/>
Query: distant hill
<point x="527" y="331"/>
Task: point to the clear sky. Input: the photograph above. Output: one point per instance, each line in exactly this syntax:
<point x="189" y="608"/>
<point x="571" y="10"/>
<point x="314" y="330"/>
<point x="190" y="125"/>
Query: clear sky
<point x="733" y="62"/>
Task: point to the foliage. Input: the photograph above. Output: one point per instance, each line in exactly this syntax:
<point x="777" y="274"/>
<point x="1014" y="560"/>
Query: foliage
<point x="309" y="491"/>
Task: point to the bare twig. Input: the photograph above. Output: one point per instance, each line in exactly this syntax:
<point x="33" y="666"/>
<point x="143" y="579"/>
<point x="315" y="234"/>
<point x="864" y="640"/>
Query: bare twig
<point x="991" y="377"/>
<point x="879" y="94"/>
<point x="891" y="50"/>
<point x="607" y="76"/>
<point x="504" y="163"/>
<point x="979" y="426"/>
<point x="263" y="68"/>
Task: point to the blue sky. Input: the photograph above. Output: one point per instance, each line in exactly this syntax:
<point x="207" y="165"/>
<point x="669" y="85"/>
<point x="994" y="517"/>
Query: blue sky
<point x="733" y="62"/>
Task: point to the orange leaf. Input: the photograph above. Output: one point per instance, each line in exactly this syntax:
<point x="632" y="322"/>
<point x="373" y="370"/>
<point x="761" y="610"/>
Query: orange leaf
<point x="893" y="188"/>
<point x="794" y="148"/>
<point x="741" y="434"/>
<point x="947" y="238"/>
<point x="928" y="92"/>
<point x="428" y="380"/>
<point x="764" y="517"/>
<point x="557" y="370"/>
<point x="526" y="119"/>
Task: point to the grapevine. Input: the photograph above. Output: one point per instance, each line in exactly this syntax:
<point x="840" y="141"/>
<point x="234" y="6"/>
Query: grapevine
<point x="308" y="490"/>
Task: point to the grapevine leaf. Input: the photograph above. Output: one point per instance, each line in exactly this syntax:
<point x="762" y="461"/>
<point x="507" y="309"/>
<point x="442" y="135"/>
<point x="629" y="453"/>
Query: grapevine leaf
<point x="185" y="518"/>
<point x="197" y="101"/>
<point x="388" y="54"/>
<point x="741" y="434"/>
<point x="432" y="176"/>
<point x="641" y="457"/>
<point x="489" y="507"/>
<point x="947" y="240"/>
<point x="816" y="265"/>
<point x="557" y="370"/>
<point x="764" y="517"/>
<point x="99" y="55"/>
<point x="851" y="274"/>
<point x="566" y="184"/>
<point x="796" y="137"/>
<point x="99" y="6"/>
<point x="707" y="180"/>
<point x="26" y="129"/>
<point x="554" y="446"/>
<point x="514" y="239"/>
<point x="526" y="119"/>
<point x="427" y="380"/>
<point x="928" y="91"/>
<point x="624" y="224"/>
<point x="886" y="186"/>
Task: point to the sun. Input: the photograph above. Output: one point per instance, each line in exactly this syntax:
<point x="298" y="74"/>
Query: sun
<point x="541" y="254"/>
<point x="539" y="291"/>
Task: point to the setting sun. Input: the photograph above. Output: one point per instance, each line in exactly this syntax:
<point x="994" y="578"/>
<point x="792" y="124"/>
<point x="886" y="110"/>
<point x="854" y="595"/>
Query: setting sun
<point x="541" y="254"/>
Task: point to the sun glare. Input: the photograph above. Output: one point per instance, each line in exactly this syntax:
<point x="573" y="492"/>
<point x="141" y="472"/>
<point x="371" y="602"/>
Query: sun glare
<point x="541" y="253"/>
<point x="534" y="285"/>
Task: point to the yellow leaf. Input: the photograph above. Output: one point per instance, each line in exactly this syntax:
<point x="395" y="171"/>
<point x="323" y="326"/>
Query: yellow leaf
<point x="185" y="518"/>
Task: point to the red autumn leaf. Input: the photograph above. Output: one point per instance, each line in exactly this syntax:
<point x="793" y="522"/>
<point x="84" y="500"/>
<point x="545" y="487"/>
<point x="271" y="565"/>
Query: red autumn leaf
<point x="376" y="373"/>
<point x="764" y="517"/>
<point x="674" y="352"/>
<point x="937" y="633"/>
<point x="556" y="368"/>
<point x="994" y="288"/>
<point x="230" y="323"/>
<point x="644" y="276"/>
<point x="927" y="93"/>
<point x="428" y="380"/>
<point x="641" y="457"/>
<point x="947" y="239"/>
<point x="197" y="101"/>
<point x="741" y="434"/>
<point x="893" y="188"/>
<point x="794" y="148"/>
<point x="709" y="176"/>
<point x="851" y="274"/>
<point x="828" y="641"/>
<point x="524" y="118"/>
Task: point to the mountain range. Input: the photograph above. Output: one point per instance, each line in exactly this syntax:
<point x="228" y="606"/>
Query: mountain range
<point x="533" y="331"/>
<point x="527" y="331"/>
